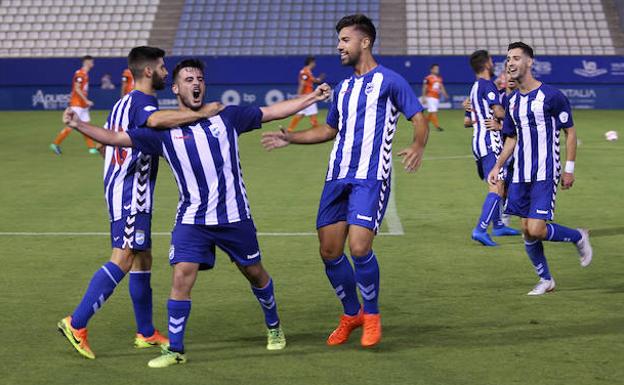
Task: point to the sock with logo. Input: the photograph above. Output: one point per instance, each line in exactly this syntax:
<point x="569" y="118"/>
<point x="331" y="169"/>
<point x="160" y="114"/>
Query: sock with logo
<point x="497" y="216"/>
<point x="179" y="312"/>
<point x="141" y="295"/>
<point x="100" y="288"/>
<point x="266" y="298"/>
<point x="367" y="278"/>
<point x="342" y="279"/>
<point x="535" y="250"/>
<point x="490" y="206"/>
<point x="558" y="233"/>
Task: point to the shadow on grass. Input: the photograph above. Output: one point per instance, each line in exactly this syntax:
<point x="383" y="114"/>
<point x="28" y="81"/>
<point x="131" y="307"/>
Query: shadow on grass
<point x="607" y="232"/>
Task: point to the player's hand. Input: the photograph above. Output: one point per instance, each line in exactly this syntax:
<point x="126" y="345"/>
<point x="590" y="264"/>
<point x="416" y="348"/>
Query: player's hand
<point x="70" y="118"/>
<point x="493" y="125"/>
<point x="492" y="177"/>
<point x="89" y="103"/>
<point x="567" y="180"/>
<point x="322" y="92"/>
<point x="467" y="105"/>
<point x="211" y="109"/>
<point x="412" y="158"/>
<point x="274" y="139"/>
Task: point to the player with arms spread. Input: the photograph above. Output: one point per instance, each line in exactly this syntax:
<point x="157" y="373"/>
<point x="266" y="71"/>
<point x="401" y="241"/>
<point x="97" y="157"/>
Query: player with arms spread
<point x="129" y="181"/>
<point x="213" y="210"/>
<point x="306" y="86"/>
<point x="362" y="120"/>
<point x="536" y="115"/>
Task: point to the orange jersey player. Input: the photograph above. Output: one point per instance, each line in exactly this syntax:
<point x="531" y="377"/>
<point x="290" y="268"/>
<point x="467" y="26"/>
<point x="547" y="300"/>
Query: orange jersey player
<point x="127" y="82"/>
<point x="432" y="87"/>
<point x="80" y="103"/>
<point x="306" y="86"/>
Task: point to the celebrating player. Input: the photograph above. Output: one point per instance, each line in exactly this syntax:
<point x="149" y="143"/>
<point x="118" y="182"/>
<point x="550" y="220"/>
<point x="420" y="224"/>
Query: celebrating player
<point x="127" y="82"/>
<point x="306" y="86"/>
<point x="362" y="119"/>
<point x="213" y="208"/>
<point x="486" y="146"/>
<point x="80" y="103"/>
<point x="129" y="179"/>
<point x="537" y="113"/>
<point x="432" y="86"/>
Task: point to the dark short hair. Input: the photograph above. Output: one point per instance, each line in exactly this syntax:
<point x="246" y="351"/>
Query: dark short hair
<point x="140" y="57"/>
<point x="188" y="63"/>
<point x="434" y="65"/>
<point x="524" y="47"/>
<point x="478" y="60"/>
<point x="309" y="60"/>
<point x="361" y="23"/>
<point x="87" y="57"/>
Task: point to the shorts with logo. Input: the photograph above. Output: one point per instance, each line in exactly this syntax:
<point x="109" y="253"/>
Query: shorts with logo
<point x="360" y="202"/>
<point x="198" y="243"/>
<point x="432" y="104"/>
<point x="83" y="113"/>
<point x="132" y="231"/>
<point x="532" y="199"/>
<point x="486" y="164"/>
<point x="310" y="110"/>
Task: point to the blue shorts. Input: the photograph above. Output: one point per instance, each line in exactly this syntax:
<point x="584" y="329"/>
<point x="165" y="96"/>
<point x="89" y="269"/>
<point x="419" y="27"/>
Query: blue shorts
<point x="532" y="199"/>
<point x="197" y="243"/>
<point x="133" y="231"/>
<point x="360" y="202"/>
<point x="487" y="163"/>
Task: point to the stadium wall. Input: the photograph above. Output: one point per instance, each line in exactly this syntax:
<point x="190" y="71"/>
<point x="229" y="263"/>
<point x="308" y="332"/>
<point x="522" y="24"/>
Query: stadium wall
<point x="37" y="84"/>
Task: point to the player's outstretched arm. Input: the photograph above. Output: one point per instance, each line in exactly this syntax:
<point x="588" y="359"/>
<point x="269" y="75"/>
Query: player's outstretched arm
<point x="508" y="149"/>
<point x="412" y="155"/>
<point x="567" y="179"/>
<point x="174" y="118"/>
<point x="317" y="134"/>
<point x="102" y="135"/>
<point x="286" y="108"/>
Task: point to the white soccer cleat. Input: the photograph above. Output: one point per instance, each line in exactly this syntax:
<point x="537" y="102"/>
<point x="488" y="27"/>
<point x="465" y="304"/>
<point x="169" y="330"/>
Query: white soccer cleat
<point x="543" y="286"/>
<point x="584" y="248"/>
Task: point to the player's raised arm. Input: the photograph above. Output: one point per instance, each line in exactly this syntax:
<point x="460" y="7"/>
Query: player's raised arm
<point x="288" y="107"/>
<point x="174" y="118"/>
<point x="412" y="155"/>
<point x="102" y="135"/>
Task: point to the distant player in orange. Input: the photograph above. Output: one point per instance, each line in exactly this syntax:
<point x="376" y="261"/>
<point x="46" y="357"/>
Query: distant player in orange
<point x="79" y="103"/>
<point x="432" y="87"/>
<point x="127" y="82"/>
<point x="306" y="86"/>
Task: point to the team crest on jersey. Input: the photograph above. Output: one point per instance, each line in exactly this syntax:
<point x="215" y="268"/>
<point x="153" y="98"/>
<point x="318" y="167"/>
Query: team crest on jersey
<point x="491" y="96"/>
<point x="171" y="252"/>
<point x="215" y="130"/>
<point x="139" y="237"/>
<point x="369" y="88"/>
<point x="563" y="117"/>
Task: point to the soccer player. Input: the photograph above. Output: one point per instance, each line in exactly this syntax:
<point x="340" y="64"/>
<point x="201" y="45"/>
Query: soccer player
<point x="362" y="120"/>
<point x="80" y="103"/>
<point x="129" y="180"/>
<point x="536" y="115"/>
<point x="486" y="145"/>
<point x="213" y="210"/>
<point x="306" y="86"/>
<point x="127" y="82"/>
<point x="432" y="87"/>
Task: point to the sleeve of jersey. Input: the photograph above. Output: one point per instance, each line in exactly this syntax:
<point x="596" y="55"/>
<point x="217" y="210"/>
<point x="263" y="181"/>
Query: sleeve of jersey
<point x="146" y="140"/>
<point x="244" y="119"/>
<point x="562" y="111"/>
<point x="332" y="113"/>
<point x="143" y="112"/>
<point x="405" y="98"/>
<point x="491" y="94"/>
<point x="509" y="129"/>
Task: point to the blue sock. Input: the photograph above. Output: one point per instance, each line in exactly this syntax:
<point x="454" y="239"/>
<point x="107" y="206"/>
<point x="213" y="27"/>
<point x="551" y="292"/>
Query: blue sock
<point x="497" y="221"/>
<point x="342" y="279"/>
<point x="367" y="278"/>
<point x="558" y="233"/>
<point x="141" y="294"/>
<point x="267" y="301"/>
<point x="178" y="317"/>
<point x="535" y="250"/>
<point x="100" y="288"/>
<point x="490" y="207"/>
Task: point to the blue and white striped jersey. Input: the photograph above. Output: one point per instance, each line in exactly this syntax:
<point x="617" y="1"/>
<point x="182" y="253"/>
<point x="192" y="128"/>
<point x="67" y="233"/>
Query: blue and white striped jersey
<point x="484" y="95"/>
<point x="205" y="163"/>
<point x="365" y="111"/>
<point x="536" y="120"/>
<point x="129" y="175"/>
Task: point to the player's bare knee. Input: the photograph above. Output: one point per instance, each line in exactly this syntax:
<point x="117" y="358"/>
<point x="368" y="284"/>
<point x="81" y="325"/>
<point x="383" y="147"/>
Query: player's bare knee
<point x="256" y="274"/>
<point x="124" y="258"/>
<point x="360" y="249"/>
<point x="329" y="253"/>
<point x="536" y="230"/>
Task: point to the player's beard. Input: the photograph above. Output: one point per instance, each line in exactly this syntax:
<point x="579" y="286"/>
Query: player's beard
<point x="158" y="82"/>
<point x="352" y="60"/>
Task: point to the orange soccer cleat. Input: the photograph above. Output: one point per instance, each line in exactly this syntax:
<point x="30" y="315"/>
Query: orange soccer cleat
<point x="372" y="330"/>
<point x="157" y="339"/>
<point x="76" y="337"/>
<point x="348" y="323"/>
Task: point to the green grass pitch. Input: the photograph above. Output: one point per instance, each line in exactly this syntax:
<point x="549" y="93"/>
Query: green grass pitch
<point x="453" y="312"/>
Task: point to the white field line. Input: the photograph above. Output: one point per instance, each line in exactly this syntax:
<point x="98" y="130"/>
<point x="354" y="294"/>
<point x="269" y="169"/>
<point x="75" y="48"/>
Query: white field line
<point x="392" y="214"/>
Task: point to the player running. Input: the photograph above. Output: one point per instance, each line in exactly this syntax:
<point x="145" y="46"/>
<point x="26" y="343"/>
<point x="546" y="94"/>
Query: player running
<point x="362" y="120"/>
<point x="213" y="210"/>
<point x="485" y="102"/>
<point x="129" y="180"/>
<point x="80" y="103"/>
<point x="306" y="86"/>
<point x="127" y="82"/>
<point x="536" y="115"/>
<point x="432" y="87"/>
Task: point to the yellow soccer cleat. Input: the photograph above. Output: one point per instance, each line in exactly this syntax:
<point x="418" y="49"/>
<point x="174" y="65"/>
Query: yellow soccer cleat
<point x="276" y="340"/>
<point x="157" y="339"/>
<point x="76" y="337"/>
<point x="167" y="358"/>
